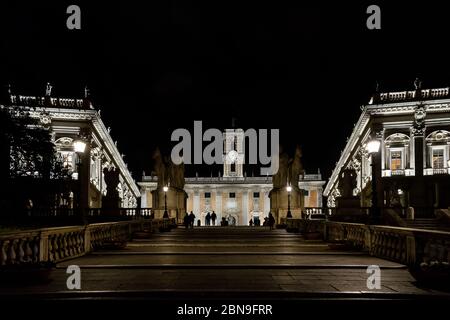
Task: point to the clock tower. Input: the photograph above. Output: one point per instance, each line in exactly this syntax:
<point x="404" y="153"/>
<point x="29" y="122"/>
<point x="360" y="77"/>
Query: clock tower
<point x="234" y="154"/>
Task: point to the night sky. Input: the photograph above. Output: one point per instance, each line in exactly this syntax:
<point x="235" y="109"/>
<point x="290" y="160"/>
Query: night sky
<point x="159" y="65"/>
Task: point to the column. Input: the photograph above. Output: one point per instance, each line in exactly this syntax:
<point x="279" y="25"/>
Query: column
<point x="266" y="203"/>
<point x="196" y="204"/>
<point x="144" y="198"/>
<point x="245" y="208"/>
<point x="218" y="208"/>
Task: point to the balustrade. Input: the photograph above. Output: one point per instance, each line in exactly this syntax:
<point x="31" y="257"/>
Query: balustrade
<point x="62" y="243"/>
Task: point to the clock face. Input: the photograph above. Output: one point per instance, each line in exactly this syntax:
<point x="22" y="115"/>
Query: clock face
<point x="232" y="156"/>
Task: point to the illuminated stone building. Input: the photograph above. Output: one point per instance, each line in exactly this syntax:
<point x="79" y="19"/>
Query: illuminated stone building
<point x="412" y="167"/>
<point x="71" y="120"/>
<point x="234" y="195"/>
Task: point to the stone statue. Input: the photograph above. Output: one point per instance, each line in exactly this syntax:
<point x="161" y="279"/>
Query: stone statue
<point x="295" y="168"/>
<point x="160" y="169"/>
<point x="167" y="172"/>
<point x="417" y="84"/>
<point x="176" y="175"/>
<point x="48" y="90"/>
<point x="280" y="179"/>
<point x="348" y="182"/>
<point x="112" y="181"/>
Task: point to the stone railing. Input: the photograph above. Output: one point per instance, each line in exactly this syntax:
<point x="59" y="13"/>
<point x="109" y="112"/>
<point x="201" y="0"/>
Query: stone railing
<point x="405" y="245"/>
<point x="62" y="243"/>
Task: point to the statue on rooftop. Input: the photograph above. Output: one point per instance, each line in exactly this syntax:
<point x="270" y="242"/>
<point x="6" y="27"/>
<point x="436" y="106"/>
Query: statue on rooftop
<point x="48" y="90"/>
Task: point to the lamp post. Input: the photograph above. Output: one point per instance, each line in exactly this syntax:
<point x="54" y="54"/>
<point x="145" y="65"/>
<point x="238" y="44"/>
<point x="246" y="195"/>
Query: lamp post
<point x="79" y="146"/>
<point x="289" y="189"/>
<point x="373" y="147"/>
<point x="166" y="214"/>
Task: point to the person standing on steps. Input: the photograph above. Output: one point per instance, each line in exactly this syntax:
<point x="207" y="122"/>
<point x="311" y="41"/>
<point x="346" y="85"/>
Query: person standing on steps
<point x="213" y="218"/>
<point x="271" y="221"/>
<point x="191" y="220"/>
<point x="208" y="219"/>
<point x="186" y="220"/>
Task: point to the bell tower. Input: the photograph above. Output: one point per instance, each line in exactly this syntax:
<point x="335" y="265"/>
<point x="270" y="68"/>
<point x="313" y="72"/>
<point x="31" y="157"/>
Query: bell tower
<point x="234" y="154"/>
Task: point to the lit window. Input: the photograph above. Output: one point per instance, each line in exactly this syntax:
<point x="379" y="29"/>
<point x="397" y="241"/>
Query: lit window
<point x="438" y="158"/>
<point x="67" y="160"/>
<point x="396" y="160"/>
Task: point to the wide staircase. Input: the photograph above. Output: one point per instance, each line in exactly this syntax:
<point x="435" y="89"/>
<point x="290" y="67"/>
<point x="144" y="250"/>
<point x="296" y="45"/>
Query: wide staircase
<point x="238" y="261"/>
<point x="216" y="262"/>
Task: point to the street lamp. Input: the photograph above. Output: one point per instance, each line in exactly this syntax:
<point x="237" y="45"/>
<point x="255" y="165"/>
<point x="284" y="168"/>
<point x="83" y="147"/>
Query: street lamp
<point x="166" y="214"/>
<point x="289" y="189"/>
<point x="373" y="147"/>
<point x="79" y="146"/>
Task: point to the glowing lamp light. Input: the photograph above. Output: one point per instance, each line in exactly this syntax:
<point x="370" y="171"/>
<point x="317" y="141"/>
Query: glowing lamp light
<point x="79" y="146"/>
<point x="166" y="188"/>
<point x="288" y="188"/>
<point x="373" y="146"/>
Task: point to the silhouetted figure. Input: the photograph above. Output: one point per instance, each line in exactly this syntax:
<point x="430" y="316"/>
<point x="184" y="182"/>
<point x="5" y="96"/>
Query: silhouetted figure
<point x="213" y="218"/>
<point x="271" y="221"/>
<point x="186" y="220"/>
<point x="208" y="219"/>
<point x="191" y="219"/>
<point x="224" y="222"/>
<point x="250" y="223"/>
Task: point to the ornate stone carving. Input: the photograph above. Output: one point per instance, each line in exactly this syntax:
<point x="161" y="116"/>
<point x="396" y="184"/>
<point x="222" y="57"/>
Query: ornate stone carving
<point x="419" y="116"/>
<point x="45" y="119"/>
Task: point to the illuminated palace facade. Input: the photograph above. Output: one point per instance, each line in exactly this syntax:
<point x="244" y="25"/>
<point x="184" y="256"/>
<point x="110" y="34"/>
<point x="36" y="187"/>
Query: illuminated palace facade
<point x="412" y="167"/>
<point x="69" y="120"/>
<point x="234" y="196"/>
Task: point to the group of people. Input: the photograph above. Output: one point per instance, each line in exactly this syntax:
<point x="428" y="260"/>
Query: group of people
<point x="268" y="221"/>
<point x="189" y="220"/>
<point x="210" y="217"/>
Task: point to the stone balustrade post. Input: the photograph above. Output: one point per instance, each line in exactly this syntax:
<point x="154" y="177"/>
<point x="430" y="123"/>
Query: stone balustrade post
<point x="411" y="250"/>
<point x="368" y="238"/>
<point x="87" y="239"/>
<point x="43" y="247"/>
